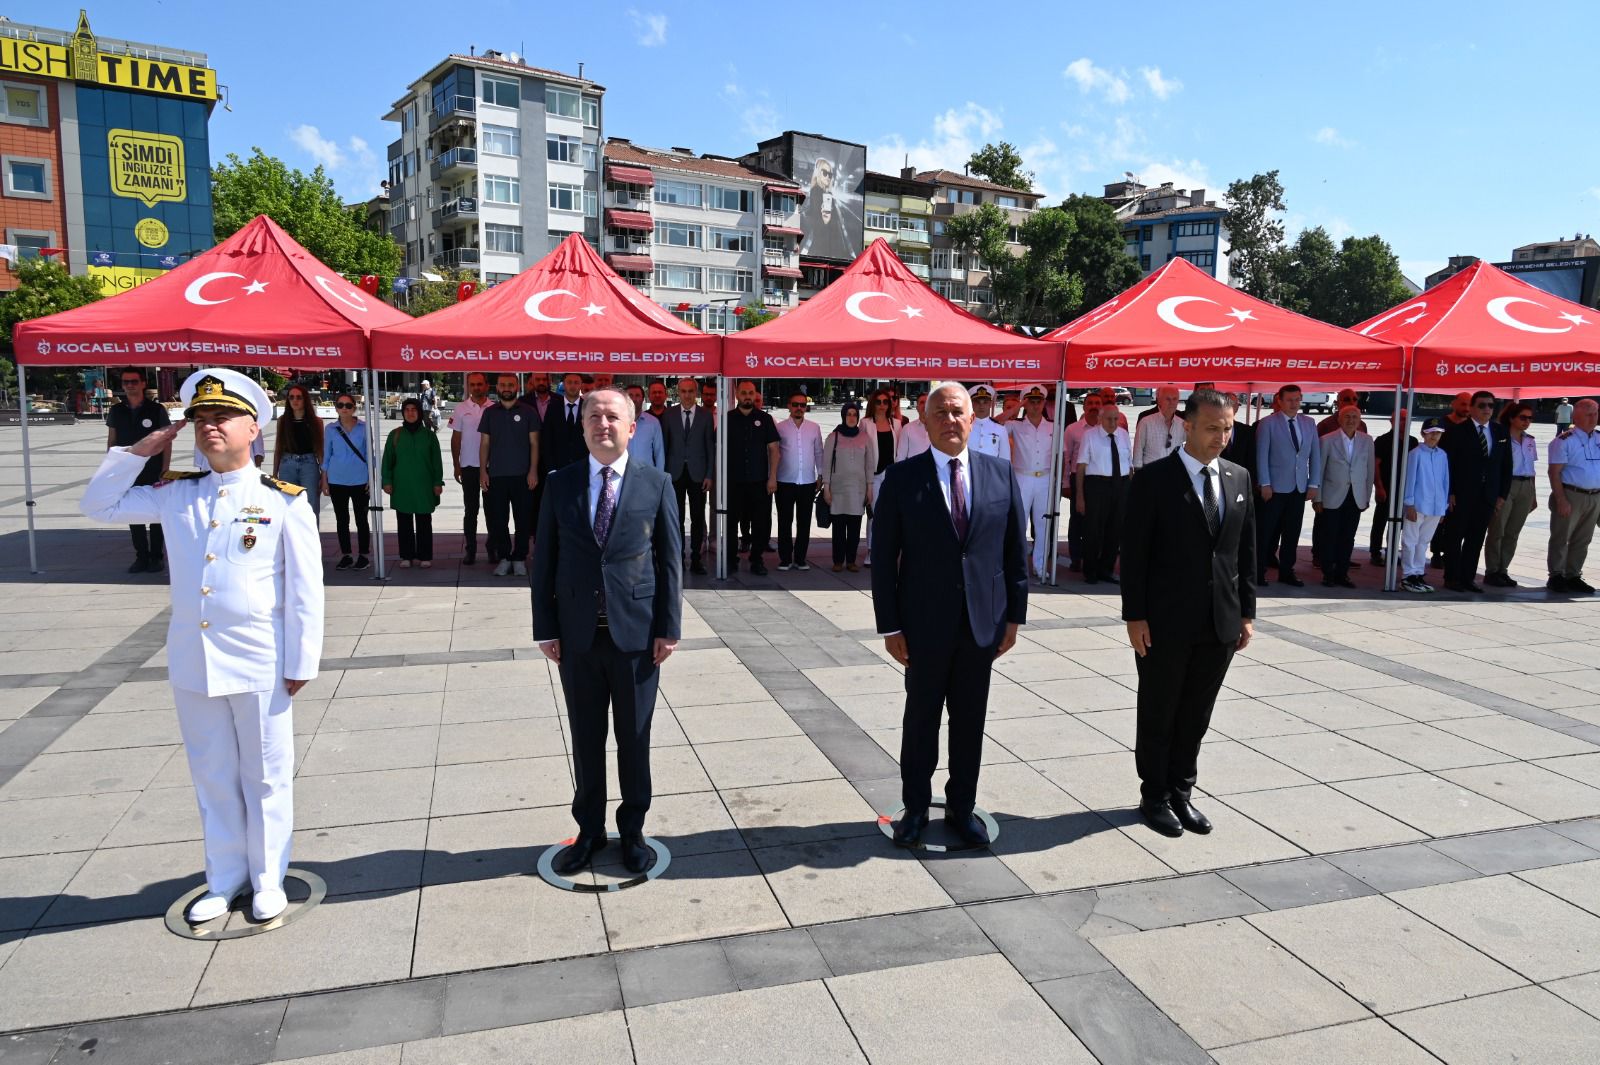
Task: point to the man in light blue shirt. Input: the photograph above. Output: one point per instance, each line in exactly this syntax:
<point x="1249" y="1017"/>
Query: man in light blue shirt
<point x="647" y="445"/>
<point x="1427" y="500"/>
<point x="1289" y="466"/>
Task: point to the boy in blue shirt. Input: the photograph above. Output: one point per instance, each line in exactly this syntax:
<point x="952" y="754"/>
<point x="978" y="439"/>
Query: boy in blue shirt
<point x="1427" y="500"/>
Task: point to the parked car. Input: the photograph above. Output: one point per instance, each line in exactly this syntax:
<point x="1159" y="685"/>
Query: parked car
<point x="1317" y="402"/>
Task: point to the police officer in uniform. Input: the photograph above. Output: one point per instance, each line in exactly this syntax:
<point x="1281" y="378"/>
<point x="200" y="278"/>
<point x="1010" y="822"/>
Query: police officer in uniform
<point x="988" y="437"/>
<point x="1574" y="498"/>
<point x="246" y="630"/>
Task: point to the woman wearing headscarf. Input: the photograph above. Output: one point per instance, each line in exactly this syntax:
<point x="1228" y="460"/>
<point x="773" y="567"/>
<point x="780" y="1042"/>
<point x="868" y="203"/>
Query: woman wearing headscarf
<point x="849" y="461"/>
<point x="413" y="478"/>
<point x="297" y="450"/>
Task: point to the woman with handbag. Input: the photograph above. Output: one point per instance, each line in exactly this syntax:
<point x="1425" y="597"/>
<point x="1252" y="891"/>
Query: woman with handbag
<point x="344" y="479"/>
<point x="849" y="462"/>
<point x="413" y="478"/>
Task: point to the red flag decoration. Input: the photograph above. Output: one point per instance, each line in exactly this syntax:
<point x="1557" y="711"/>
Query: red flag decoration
<point x="369" y="284"/>
<point x="45" y="253"/>
<point x="685" y="307"/>
<point x="465" y="290"/>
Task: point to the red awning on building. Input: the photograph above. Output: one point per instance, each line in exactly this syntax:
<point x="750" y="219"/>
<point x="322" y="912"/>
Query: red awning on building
<point x="629" y="175"/>
<point x="787" y="190"/>
<point x="616" y="218"/>
<point x="256" y="299"/>
<point x="1181" y="325"/>
<point x="1484" y="328"/>
<point x="635" y="263"/>
<point x="835" y="267"/>
<point x="781" y="271"/>
<point x="788" y="231"/>
<point x="568" y="311"/>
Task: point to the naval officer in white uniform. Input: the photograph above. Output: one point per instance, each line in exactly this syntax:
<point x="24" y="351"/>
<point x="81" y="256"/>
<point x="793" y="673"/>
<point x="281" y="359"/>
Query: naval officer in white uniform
<point x="988" y="436"/>
<point x="246" y="630"/>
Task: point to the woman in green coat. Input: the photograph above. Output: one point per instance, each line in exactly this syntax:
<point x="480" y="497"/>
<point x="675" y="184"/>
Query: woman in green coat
<point x="413" y="478"/>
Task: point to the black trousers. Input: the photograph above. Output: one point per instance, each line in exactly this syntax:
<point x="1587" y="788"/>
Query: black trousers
<point x="957" y="678"/>
<point x="416" y="535"/>
<point x="1178" y="685"/>
<point x="794" y="521"/>
<point x="148" y="542"/>
<point x="1339" y="525"/>
<point x="1075" y="544"/>
<point x="508" y="501"/>
<point x="471" y="493"/>
<point x="1380" y="525"/>
<point x="1464" y="549"/>
<point x="846" y="538"/>
<point x="1278" y="531"/>
<point x="624" y="681"/>
<point x="348" y="497"/>
<point x="751" y="507"/>
<point x="1104" y="500"/>
<point x="1444" y="535"/>
<point x="686" y="486"/>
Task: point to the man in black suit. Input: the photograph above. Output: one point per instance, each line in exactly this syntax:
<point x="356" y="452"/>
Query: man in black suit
<point x="691" y="462"/>
<point x="1479" y="450"/>
<point x="1189" y="599"/>
<point x="607" y="608"/>
<point x="949" y="588"/>
<point x="561" y="435"/>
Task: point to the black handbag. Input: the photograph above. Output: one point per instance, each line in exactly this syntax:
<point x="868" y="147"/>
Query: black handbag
<point x="824" y="511"/>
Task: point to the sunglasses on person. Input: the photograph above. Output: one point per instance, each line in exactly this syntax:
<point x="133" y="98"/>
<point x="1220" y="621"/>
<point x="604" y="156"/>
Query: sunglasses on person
<point x="132" y="382"/>
<point x="1487" y="404"/>
<point x="345" y="406"/>
<point x="793" y="405"/>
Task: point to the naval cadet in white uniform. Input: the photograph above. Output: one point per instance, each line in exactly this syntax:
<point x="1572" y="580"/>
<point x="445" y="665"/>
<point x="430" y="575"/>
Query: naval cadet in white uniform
<point x="988" y="436"/>
<point x="246" y="630"/>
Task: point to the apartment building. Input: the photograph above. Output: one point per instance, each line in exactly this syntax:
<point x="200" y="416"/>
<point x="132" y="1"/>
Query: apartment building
<point x="702" y="235"/>
<point x="1581" y="245"/>
<point x="496" y="163"/>
<point x="957" y="275"/>
<point x="900" y="211"/>
<point x="1165" y="223"/>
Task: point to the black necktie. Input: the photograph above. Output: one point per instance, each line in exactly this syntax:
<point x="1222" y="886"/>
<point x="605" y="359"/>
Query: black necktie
<point x="686" y="420"/>
<point x="1294" y="434"/>
<point x="572" y="415"/>
<point x="1116" y="456"/>
<point x="1209" y="501"/>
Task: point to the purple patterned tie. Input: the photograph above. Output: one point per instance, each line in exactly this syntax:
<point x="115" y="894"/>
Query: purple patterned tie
<point x="958" y="501"/>
<point x="602" y="522"/>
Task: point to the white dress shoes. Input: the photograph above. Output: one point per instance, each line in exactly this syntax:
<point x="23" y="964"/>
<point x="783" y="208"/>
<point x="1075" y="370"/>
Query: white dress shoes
<point x="268" y="904"/>
<point x="210" y="906"/>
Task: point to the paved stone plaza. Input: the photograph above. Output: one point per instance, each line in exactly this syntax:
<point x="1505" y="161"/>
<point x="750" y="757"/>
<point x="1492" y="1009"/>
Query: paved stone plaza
<point x="1406" y="864"/>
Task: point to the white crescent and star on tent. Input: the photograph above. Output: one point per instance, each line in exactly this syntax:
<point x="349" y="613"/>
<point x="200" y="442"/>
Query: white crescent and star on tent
<point x="1499" y="309"/>
<point x="195" y="293"/>
<point x="852" y="307"/>
<point x="1167" y="311"/>
<point x="533" y="307"/>
<point x="347" y="295"/>
<point x="1421" y="307"/>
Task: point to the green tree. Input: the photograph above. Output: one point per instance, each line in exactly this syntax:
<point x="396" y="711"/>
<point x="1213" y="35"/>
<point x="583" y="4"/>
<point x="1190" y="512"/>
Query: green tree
<point x="1366" y="281"/>
<point x="1304" y="274"/>
<point x="1036" y="288"/>
<point x="307" y="206"/>
<point x="754" y="314"/>
<point x="425" y="297"/>
<point x="1098" y="253"/>
<point x="1002" y="164"/>
<point x="1255" y="233"/>
<point x="43" y="287"/>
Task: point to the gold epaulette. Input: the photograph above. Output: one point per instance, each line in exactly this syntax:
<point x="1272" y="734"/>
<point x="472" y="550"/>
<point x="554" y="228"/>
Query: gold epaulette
<point x="182" y="475"/>
<point x="283" y="486"/>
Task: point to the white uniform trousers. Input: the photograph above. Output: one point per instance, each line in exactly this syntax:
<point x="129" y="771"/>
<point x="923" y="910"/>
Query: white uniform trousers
<point x="241" y="758"/>
<point x="1415" y="537"/>
<point x="1036" y="504"/>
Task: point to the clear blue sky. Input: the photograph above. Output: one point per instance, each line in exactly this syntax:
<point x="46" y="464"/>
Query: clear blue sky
<point x="1447" y="128"/>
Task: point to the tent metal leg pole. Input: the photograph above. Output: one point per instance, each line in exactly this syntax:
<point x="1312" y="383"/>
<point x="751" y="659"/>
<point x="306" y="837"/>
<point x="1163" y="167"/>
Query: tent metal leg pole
<point x="1397" y="488"/>
<point x="27" y="468"/>
<point x="1053" y="515"/>
<point x="720" y="496"/>
<point x="374" y="473"/>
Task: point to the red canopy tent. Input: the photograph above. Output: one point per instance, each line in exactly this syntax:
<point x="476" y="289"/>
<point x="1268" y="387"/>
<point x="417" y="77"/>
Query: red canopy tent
<point x="1181" y="325"/>
<point x="256" y="299"/>
<point x="1483" y="328"/>
<point x="881" y="320"/>
<point x="568" y="311"/>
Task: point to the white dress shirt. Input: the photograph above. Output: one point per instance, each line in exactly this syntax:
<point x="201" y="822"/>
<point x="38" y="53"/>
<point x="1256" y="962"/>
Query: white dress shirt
<point x="799" y="451"/>
<point x="1032" y="445"/>
<point x="941" y="463"/>
<point x="618" y="469"/>
<point x="1194" y="466"/>
<point x="1094" y="454"/>
<point x="1524" y="456"/>
<point x="464" y="420"/>
<point x="912" y="441"/>
<point x="1156" y="438"/>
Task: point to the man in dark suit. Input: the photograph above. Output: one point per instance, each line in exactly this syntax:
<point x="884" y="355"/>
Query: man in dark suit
<point x="1241" y="449"/>
<point x="1480" y="480"/>
<point x="949" y="588"/>
<point x="607" y="608"/>
<point x="691" y="463"/>
<point x="561" y="434"/>
<point x="1189" y="599"/>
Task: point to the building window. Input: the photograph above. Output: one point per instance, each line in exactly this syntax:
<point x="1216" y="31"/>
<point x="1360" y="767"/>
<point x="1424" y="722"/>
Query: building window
<point x="566" y="198"/>
<point x="591" y="112"/>
<point x="27" y="179"/>
<point x="562" y="102"/>
<point x="732" y="239"/>
<point x="775" y="245"/>
<point x="22" y="105"/>
<point x="590" y="158"/>
<point x="561" y="149"/>
<point x="1146" y="234"/>
<point x="684" y="277"/>
<point x="1144" y="263"/>
<point x="726" y="199"/>
<point x="1194" y="229"/>
<point x="879" y="219"/>
<point x="493" y="278"/>
<point x="914" y="225"/>
<point x="952" y="290"/>
<point x="408" y="117"/>
<point x="982" y="295"/>
<point x="1006" y="201"/>
<point x="501" y="140"/>
<point x="960" y="196"/>
<point x="683" y="193"/>
<point x="498" y="189"/>
<point x="497" y="237"/>
<point x="591" y="203"/>
<point x="677" y="235"/>
<point x="721" y="319"/>
<point x="731" y="280"/>
<point x="502" y="92"/>
<point x="30" y="242"/>
<point x="781" y="204"/>
<point x="691" y="316"/>
<point x="1199" y="258"/>
<point x="914" y="258"/>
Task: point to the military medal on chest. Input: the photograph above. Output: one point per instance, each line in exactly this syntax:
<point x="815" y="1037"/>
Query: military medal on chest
<point x="249" y="537"/>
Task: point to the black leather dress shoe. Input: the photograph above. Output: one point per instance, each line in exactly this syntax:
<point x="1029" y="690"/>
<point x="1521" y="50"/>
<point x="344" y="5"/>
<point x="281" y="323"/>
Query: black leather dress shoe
<point x="908" y="830"/>
<point x="140" y="564"/>
<point x="758" y="568"/>
<point x="968" y="828"/>
<point x="578" y="854"/>
<point x="636" y="853"/>
<point x="1190" y="818"/>
<point x="1454" y="586"/>
<point x="698" y="568"/>
<point x="1290" y="579"/>
<point x="1344" y="582"/>
<point x="1161" y="818"/>
<point x="1474" y="587"/>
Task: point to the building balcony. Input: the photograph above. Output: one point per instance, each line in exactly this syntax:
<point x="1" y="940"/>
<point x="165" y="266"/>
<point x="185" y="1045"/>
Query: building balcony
<point x="624" y="200"/>
<point x="456" y="258"/>
<point x="455" y="163"/>
<point x="918" y="237"/>
<point x="915" y="205"/>
<point x="919" y="269"/>
<point x="874" y="232"/>
<point x="619" y="218"/>
<point x="455" y="109"/>
<point x="782" y="223"/>
<point x="461" y="209"/>
<point x="630" y="262"/>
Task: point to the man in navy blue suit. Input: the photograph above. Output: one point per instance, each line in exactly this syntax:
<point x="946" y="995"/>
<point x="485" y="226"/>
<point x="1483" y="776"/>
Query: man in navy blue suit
<point x="949" y="588"/>
<point x="607" y="608"/>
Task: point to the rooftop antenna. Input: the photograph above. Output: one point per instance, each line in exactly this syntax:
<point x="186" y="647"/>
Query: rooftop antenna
<point x="472" y="49"/>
